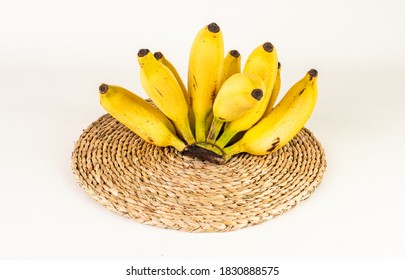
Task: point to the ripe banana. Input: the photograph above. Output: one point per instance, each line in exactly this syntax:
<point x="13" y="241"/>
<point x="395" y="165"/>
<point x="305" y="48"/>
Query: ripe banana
<point x="262" y="62"/>
<point x="162" y="87"/>
<point x="237" y="95"/>
<point x="139" y="116"/>
<point x="222" y="111"/>
<point x="160" y="57"/>
<point x="230" y="66"/>
<point x="206" y="58"/>
<point x="277" y="128"/>
<point x="294" y="91"/>
<point x="275" y="92"/>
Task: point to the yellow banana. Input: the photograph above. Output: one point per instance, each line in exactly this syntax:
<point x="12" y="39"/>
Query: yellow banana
<point x="230" y="66"/>
<point x="206" y="58"/>
<point x="162" y="87"/>
<point x="237" y="95"/>
<point x="294" y="91"/>
<point x="277" y="128"/>
<point x="275" y="92"/>
<point x="139" y="116"/>
<point x="262" y="62"/>
<point x="160" y="57"/>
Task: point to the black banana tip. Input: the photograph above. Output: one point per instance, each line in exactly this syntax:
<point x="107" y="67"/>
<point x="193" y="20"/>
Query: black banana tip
<point x="234" y="53"/>
<point x="268" y="47"/>
<point x="278" y="65"/>
<point x="158" y="55"/>
<point x="103" y="88"/>
<point x="213" y="27"/>
<point x="143" y="52"/>
<point x="313" y="73"/>
<point x="257" y="94"/>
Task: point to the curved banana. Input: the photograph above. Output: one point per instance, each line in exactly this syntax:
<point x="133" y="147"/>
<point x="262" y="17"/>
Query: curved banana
<point x="295" y="90"/>
<point x="275" y="92"/>
<point x="237" y="95"/>
<point x="262" y="62"/>
<point x="160" y="57"/>
<point x="283" y="122"/>
<point x="162" y="87"/>
<point x="139" y="116"/>
<point x="230" y="66"/>
<point x="206" y="58"/>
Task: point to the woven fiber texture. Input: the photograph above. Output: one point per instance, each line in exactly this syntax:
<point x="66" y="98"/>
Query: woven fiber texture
<point x="161" y="187"/>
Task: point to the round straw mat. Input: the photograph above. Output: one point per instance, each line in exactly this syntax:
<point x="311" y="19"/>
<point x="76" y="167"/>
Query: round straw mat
<point x="161" y="187"/>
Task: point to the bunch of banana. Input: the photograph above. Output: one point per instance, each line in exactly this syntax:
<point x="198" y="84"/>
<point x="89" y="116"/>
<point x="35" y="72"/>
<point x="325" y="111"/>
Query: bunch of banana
<point x="224" y="110"/>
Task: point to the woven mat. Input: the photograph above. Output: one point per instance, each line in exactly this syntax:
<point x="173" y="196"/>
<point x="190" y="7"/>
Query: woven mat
<point x="161" y="187"/>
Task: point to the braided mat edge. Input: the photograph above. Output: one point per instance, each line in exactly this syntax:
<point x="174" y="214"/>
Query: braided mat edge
<point x="161" y="187"/>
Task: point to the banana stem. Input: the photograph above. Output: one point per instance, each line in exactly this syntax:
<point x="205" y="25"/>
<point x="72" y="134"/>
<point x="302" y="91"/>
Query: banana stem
<point x="231" y="150"/>
<point x="200" y="131"/>
<point x="185" y="132"/>
<point x="215" y="128"/>
<point x="205" y="151"/>
<point x="225" y="138"/>
<point x="179" y="145"/>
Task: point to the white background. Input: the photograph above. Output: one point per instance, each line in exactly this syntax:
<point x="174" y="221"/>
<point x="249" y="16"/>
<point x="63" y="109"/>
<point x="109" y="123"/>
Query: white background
<point x="54" y="55"/>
